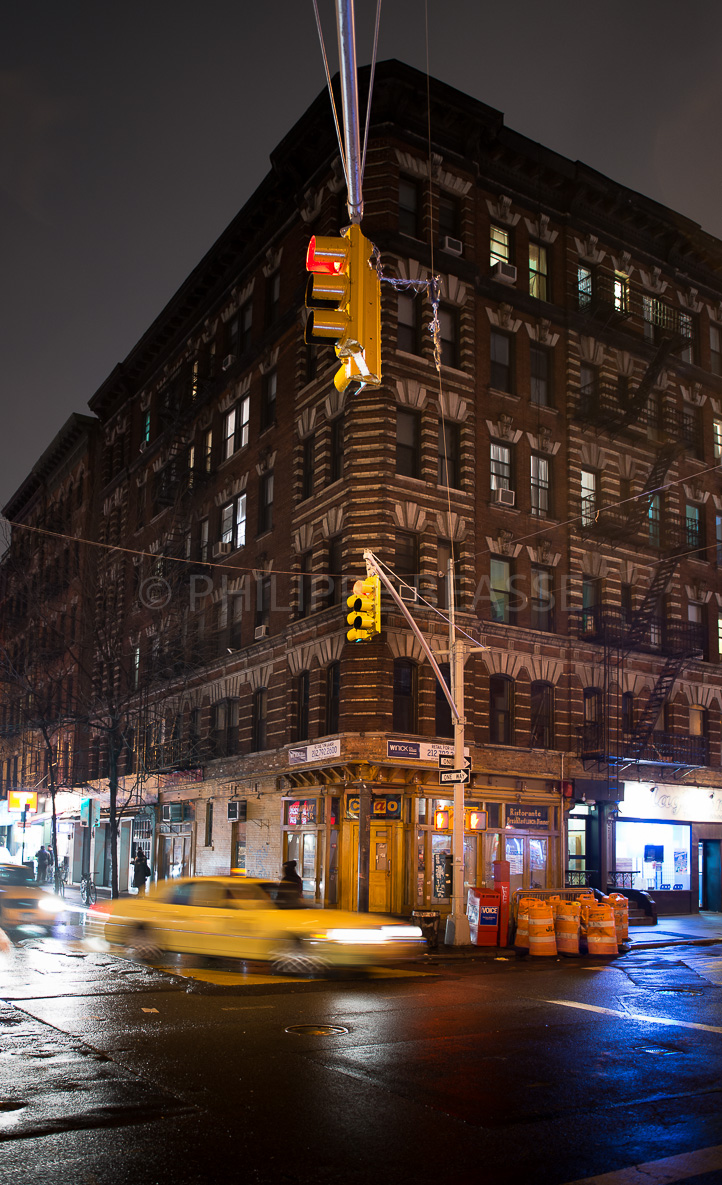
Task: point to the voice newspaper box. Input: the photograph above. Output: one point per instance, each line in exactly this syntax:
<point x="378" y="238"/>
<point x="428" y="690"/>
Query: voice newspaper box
<point x="482" y="910"/>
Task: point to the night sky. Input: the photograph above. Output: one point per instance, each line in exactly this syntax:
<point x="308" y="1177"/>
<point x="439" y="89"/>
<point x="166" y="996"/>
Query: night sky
<point x="130" y="134"/>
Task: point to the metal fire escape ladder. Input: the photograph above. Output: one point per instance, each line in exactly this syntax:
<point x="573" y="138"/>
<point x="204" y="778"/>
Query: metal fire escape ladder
<point x="658" y="696"/>
<point x="639" y="510"/>
<point x="668" y="344"/>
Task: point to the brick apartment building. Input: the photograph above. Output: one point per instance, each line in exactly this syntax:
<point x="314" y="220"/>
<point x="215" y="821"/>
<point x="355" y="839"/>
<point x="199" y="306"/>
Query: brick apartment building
<point x="566" y="456"/>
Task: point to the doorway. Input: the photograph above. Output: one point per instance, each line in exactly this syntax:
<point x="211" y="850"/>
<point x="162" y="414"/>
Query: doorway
<point x="175" y="856"/>
<point x="710" y="875"/>
<point x="380" y="869"/>
<point x="527" y="856"/>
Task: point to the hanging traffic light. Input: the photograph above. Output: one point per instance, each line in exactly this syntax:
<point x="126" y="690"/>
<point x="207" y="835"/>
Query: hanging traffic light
<point x="343" y="295"/>
<point x="365" y="606"/>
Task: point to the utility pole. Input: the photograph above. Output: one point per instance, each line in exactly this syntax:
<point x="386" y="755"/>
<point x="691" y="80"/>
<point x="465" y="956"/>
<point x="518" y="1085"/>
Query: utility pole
<point x="457" y="923"/>
<point x="349" y="90"/>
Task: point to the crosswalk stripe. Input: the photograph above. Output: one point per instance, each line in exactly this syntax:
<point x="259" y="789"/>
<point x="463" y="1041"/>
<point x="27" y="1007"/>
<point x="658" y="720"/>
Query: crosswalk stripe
<point x="655" y="1020"/>
<point x="661" y="1172"/>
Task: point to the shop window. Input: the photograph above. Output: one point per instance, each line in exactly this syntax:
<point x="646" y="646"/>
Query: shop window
<point x="404" y="698"/>
<point x="501" y="710"/>
<point x="655" y="856"/>
<point x="542" y="716"/>
<point x="444" y="716"/>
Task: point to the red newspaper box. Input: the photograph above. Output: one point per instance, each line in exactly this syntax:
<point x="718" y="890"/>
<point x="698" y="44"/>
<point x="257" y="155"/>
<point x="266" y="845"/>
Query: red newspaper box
<point x="482" y="910"/>
<point x="502" y="872"/>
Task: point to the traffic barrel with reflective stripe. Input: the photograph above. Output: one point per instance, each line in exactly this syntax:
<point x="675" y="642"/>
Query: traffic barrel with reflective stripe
<point x="567" y="926"/>
<point x="542" y="940"/>
<point x="521" y="938"/>
<point x="620" y="905"/>
<point x="601" y="931"/>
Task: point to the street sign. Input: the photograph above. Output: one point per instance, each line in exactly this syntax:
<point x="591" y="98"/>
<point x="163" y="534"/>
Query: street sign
<point x="447" y="776"/>
<point x="446" y="761"/>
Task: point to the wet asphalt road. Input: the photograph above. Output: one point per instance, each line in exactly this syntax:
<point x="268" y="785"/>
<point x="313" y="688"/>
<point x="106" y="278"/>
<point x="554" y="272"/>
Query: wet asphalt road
<point x="544" y="1072"/>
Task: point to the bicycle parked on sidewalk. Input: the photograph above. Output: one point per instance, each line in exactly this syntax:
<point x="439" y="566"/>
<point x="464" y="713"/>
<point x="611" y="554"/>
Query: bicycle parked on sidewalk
<point x="88" y="893"/>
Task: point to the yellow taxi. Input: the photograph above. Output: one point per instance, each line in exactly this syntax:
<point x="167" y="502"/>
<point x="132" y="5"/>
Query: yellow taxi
<point x="245" y="918"/>
<point x="23" y="904"/>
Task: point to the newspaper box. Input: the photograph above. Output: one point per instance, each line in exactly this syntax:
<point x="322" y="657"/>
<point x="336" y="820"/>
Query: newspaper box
<point x="482" y="910"/>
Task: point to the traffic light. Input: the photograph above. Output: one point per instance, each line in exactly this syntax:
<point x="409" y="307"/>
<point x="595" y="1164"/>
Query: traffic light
<point x="343" y="295"/>
<point x="441" y="820"/>
<point x="365" y="606"/>
<point x="475" y="820"/>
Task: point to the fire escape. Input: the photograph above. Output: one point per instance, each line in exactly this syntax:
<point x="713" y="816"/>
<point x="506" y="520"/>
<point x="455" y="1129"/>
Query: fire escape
<point x="614" y="740"/>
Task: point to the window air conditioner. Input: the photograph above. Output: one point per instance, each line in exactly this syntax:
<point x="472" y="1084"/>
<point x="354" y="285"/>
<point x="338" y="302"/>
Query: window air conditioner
<point x="504" y="272"/>
<point x="260" y="631"/>
<point x="504" y="497"/>
<point x="409" y="594"/>
<point x="228" y="361"/>
<point x="238" y="810"/>
<point x="221" y="549"/>
<point x="453" y="246"/>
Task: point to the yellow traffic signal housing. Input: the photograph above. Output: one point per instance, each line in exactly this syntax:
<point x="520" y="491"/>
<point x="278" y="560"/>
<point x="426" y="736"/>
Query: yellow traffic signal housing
<point x="441" y="820"/>
<point x="343" y="295"/>
<point x="365" y="606"/>
<point x="475" y="820"/>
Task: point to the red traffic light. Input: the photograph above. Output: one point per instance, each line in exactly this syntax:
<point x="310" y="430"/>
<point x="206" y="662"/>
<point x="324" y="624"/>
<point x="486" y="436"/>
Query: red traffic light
<point x="327" y="254"/>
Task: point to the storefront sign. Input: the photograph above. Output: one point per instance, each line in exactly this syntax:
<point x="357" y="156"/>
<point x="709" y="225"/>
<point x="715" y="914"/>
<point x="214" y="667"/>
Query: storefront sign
<point x="526" y="817"/>
<point x="652" y="800"/>
<point x="320" y="752"/>
<point x="419" y="750"/>
<point x="22" y="800"/>
<point x="300" y="812"/>
<point x="383" y="806"/>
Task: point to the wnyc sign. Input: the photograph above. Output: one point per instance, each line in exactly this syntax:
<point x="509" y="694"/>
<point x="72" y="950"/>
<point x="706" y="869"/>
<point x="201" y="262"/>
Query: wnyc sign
<point x="419" y="750"/>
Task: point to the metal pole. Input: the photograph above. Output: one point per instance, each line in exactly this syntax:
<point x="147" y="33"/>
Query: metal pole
<point x="457" y="925"/>
<point x="349" y="94"/>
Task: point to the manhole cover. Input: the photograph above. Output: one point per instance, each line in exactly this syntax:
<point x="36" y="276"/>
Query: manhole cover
<point x="317" y="1030"/>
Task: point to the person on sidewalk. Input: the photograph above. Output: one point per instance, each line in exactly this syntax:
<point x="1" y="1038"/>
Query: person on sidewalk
<point x="41" y="857"/>
<point x="290" y="889"/>
<point x="141" y="872"/>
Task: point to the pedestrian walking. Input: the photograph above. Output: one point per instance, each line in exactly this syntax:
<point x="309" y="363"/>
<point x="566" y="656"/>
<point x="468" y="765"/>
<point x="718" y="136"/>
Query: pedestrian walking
<point x="141" y="872"/>
<point x="41" y="857"/>
<point x="290" y="889"/>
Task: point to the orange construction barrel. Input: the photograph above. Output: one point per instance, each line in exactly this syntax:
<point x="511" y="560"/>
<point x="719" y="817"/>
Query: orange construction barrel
<point x="542" y="940"/>
<point x="521" y="938"/>
<point x="567" y="926"/>
<point x="601" y="931"/>
<point x="620" y="905"/>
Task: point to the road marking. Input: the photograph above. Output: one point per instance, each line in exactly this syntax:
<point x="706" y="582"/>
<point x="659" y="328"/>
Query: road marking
<point x="656" y="1020"/>
<point x="661" y="1172"/>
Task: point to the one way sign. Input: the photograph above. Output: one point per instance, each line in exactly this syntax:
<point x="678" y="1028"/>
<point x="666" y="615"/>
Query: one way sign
<point x="446" y="761"/>
<point x="447" y="776"/>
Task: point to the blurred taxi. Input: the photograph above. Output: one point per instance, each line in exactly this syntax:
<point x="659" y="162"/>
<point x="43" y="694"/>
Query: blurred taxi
<point x="248" y="919"/>
<point x="23" y="904"/>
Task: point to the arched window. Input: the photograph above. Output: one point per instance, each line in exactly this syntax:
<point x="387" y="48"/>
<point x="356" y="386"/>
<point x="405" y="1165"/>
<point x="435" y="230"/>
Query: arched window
<point x="258" y="719"/>
<point x="501" y="710"/>
<point x="404" y="696"/>
<point x="542" y="715"/>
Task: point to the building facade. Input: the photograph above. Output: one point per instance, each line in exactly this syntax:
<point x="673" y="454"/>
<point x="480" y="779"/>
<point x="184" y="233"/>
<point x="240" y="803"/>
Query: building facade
<point x="565" y="454"/>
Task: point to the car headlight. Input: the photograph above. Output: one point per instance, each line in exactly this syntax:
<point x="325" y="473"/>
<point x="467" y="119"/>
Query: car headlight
<point x="50" y="904"/>
<point x="358" y="937"/>
<point x="401" y="933"/>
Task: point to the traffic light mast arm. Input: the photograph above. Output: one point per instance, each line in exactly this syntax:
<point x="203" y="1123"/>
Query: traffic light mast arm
<point x="373" y="569"/>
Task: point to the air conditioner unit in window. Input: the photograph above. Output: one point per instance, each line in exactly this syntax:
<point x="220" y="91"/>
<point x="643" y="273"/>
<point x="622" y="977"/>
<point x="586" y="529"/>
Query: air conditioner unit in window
<point x="409" y="594"/>
<point x="504" y="272"/>
<point x="504" y="497"/>
<point x="453" y="246"/>
<point x="261" y="631"/>
<point x="237" y="810"/>
<point x="228" y="361"/>
<point x="221" y="549"/>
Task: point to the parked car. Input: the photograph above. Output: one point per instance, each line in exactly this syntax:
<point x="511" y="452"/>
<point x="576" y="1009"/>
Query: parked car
<point x="23" y="904"/>
<point x="247" y="919"/>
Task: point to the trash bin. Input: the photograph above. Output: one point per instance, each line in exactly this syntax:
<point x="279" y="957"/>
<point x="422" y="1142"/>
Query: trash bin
<point x="429" y="920"/>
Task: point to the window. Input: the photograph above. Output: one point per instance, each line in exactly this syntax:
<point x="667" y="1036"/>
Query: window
<point x="621" y="292"/>
<point x="718" y="536"/>
<point x="207" y="451"/>
<point x="591" y="598"/>
<point x="542" y="716"/>
<point x="500" y="375"/>
<point x="273" y="296"/>
<point x="501" y="710"/>
<point x="337" y="446"/>
<point x="224" y="729"/>
<point x="443" y="555"/>
<point x="715" y="349"/>
<point x="259" y="711"/>
<point x="406" y="556"/>
<point x="697" y="721"/>
<point x="593" y="727"/>
<point x="538" y="275"/>
<point x="335" y="570"/>
<point x="209" y="824"/>
<point x="539" y="385"/>
<point x="628" y="712"/>
<point x="542" y="600"/>
<point x="303" y="684"/>
<point x="501" y="467"/>
<point x="145" y="432"/>
<point x="408" y="452"/>
<point x="268" y="400"/>
<point x="333" y="696"/>
<point x="236" y="616"/>
<point x="409" y="207"/>
<point x="500" y="245"/>
<point x="233" y="522"/>
<point x="688" y="330"/>
<point x="500" y="588"/>
<point x="245" y="320"/>
<point x="444" y="724"/>
<point x="717" y="438"/>
<point x="263" y="601"/>
<point x="626" y="603"/>
<point x="265" y="503"/>
<point x="588" y="388"/>
<point x="135" y="666"/>
<point x="203" y="540"/>
<point x="694" y="526"/>
<point x="305" y="584"/>
<point x="449" y="332"/>
<point x="309" y="461"/>
<point x="404" y="705"/>
<point x="449" y="455"/>
<point x="235" y="428"/>
<point x="585" y="286"/>
<point x="408" y="328"/>
<point x="449" y="217"/>
<point x="589" y="481"/>
<point x="540" y="485"/>
<point x="311" y="360"/>
<point x="654" y="516"/>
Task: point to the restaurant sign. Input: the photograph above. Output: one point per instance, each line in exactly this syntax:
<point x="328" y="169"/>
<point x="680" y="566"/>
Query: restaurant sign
<point x="527" y="817"/>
